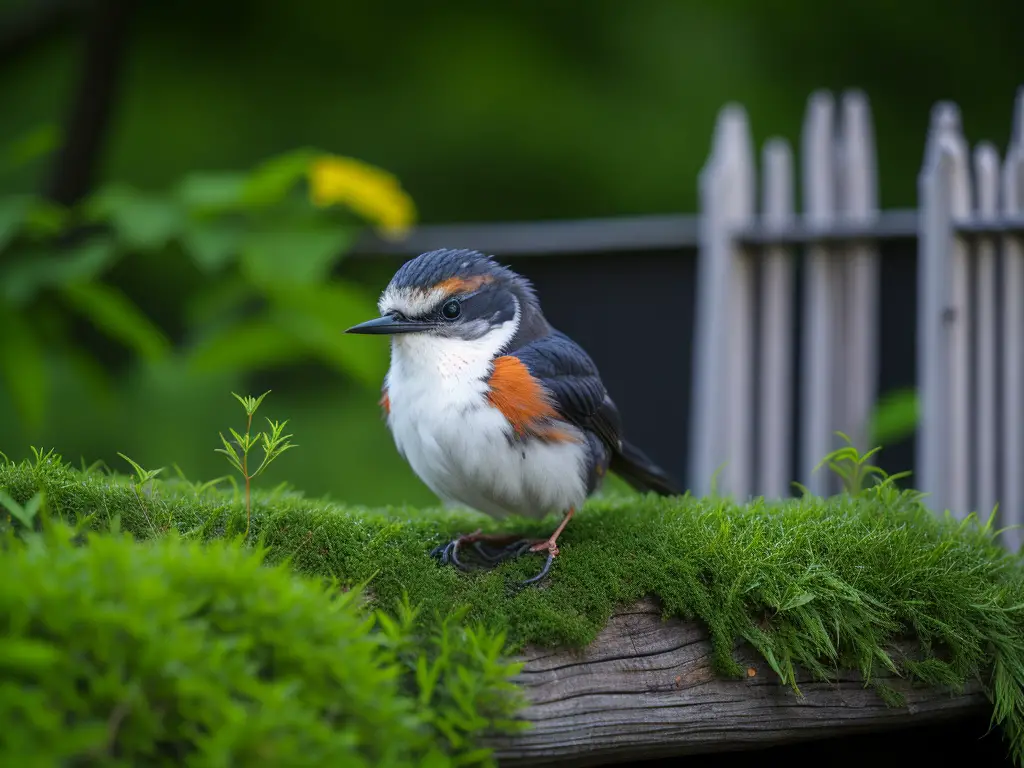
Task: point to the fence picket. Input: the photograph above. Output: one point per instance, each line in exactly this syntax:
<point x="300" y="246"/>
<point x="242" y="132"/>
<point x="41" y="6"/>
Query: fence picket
<point x="1011" y="502"/>
<point x="984" y="395"/>
<point x="858" y="203"/>
<point x="944" y="191"/>
<point x="777" y="291"/>
<point x="723" y="346"/>
<point x="822" y="296"/>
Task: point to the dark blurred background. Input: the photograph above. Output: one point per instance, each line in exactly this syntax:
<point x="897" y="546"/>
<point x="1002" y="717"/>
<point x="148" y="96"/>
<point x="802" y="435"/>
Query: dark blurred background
<point x="484" y="112"/>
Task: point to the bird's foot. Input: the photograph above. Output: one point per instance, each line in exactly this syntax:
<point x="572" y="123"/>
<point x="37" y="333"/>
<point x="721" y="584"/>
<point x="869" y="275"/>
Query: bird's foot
<point x="491" y="548"/>
<point x="551" y="547"/>
<point x="494" y="550"/>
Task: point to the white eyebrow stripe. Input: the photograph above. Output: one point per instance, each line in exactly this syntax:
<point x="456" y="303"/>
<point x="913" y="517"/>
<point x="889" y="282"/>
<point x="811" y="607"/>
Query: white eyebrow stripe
<point x="410" y="302"/>
<point x="419" y="301"/>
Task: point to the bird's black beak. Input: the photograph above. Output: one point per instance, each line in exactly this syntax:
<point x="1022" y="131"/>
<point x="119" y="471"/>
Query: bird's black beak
<point x="387" y="325"/>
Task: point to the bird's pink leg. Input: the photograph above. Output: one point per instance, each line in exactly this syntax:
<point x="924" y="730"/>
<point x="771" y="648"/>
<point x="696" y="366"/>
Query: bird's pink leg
<point x="551" y="544"/>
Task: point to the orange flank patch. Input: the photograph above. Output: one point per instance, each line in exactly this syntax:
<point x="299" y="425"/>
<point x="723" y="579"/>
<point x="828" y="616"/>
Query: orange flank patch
<point x="455" y="285"/>
<point x="524" y="402"/>
<point x="385" y="403"/>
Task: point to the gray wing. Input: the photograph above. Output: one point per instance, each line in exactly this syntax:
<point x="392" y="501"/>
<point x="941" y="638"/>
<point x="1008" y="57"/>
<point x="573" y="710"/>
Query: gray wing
<point x="579" y="395"/>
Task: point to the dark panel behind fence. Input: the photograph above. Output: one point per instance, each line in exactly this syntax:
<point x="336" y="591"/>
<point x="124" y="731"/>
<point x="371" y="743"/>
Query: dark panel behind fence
<point x="898" y="343"/>
<point x="633" y="311"/>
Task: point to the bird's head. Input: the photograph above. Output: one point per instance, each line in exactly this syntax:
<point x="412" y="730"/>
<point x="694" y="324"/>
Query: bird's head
<point x="454" y="294"/>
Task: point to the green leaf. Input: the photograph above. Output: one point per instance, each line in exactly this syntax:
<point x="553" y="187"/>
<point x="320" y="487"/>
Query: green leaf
<point x="34" y="144"/>
<point x="143" y="221"/>
<point x="13" y="209"/>
<point x="317" y="315"/>
<point x="23" y="367"/>
<point x="213" y="243"/>
<point x="142" y="476"/>
<point x="208" y="193"/>
<point x="22" y="654"/>
<point x="895" y="416"/>
<point x="21" y="280"/>
<point x="115" y="314"/>
<point x="294" y="255"/>
<point x="246" y="346"/>
<point x="800" y="598"/>
<point x="219" y="302"/>
<point x="271" y="181"/>
<point x="45" y="218"/>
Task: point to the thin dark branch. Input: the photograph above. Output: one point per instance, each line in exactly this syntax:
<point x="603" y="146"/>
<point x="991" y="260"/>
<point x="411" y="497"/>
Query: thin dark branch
<point x="23" y="31"/>
<point x="106" y="38"/>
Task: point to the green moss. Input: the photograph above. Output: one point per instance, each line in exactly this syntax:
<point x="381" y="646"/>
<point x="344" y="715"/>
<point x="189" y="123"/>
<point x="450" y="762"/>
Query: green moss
<point x="823" y="584"/>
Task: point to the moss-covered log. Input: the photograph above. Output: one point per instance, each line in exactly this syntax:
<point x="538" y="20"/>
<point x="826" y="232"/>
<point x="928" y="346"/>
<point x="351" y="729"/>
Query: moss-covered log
<point x="646" y="688"/>
<point x="812" y="594"/>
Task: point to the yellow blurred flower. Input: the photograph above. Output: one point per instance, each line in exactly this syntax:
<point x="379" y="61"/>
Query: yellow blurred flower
<point x="371" y="192"/>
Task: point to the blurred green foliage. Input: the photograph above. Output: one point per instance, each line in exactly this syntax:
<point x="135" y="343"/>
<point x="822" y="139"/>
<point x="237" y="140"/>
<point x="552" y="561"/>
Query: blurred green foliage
<point x="172" y="652"/>
<point x="518" y="111"/>
<point x="525" y="110"/>
<point x="895" y="416"/>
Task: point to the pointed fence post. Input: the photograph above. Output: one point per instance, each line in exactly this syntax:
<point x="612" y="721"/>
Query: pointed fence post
<point x="984" y="395"/>
<point x="943" y="459"/>
<point x="822" y="297"/>
<point x="775" y="382"/>
<point x="722" y="404"/>
<point x="858" y="204"/>
<point x="1011" y="502"/>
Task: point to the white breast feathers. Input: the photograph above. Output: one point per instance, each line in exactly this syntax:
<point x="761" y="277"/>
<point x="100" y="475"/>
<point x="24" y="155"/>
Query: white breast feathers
<point x="458" y="444"/>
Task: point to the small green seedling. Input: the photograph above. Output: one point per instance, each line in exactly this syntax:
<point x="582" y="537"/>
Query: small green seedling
<point x="273" y="443"/>
<point x="853" y="469"/>
<point x="42" y="456"/>
<point x="142" y="476"/>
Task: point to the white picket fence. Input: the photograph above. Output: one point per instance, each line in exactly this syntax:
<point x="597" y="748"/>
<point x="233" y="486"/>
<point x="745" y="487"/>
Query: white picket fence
<point x="970" y="315"/>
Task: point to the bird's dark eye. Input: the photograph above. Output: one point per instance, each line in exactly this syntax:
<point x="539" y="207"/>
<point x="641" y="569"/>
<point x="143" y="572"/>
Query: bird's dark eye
<point x="451" y="309"/>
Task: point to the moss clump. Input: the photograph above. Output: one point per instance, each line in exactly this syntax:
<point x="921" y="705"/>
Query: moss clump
<point x="825" y="584"/>
<point x="173" y="653"/>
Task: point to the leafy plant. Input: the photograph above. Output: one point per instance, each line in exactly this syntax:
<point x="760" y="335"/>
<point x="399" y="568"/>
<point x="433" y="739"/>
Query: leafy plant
<point x="273" y="444"/>
<point x="460" y="707"/>
<point x="250" y="254"/>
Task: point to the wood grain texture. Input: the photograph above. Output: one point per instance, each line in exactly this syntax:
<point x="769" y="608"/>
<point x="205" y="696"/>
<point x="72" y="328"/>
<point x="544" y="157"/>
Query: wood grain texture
<point x="645" y="688"/>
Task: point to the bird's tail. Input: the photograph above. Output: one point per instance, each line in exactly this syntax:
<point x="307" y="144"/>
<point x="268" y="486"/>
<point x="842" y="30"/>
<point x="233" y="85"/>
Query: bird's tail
<point x="633" y="466"/>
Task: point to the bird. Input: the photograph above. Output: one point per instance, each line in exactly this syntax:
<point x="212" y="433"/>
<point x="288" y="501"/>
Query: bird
<point x="492" y="407"/>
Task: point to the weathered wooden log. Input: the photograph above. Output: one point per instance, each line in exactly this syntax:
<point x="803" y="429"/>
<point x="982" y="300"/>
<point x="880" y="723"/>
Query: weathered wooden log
<point x="645" y="688"/>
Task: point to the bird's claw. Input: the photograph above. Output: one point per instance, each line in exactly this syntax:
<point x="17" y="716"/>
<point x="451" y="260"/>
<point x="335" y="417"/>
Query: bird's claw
<point x="448" y="553"/>
<point x="543" y="571"/>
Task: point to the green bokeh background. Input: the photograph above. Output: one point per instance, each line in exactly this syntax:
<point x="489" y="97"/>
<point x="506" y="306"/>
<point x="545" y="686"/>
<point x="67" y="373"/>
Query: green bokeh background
<point x="485" y="112"/>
